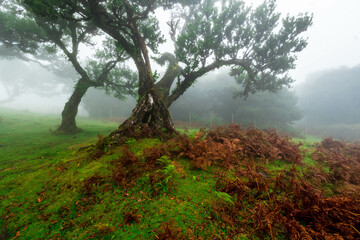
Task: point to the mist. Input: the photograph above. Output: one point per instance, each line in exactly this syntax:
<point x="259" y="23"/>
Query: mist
<point x="316" y="100"/>
<point x="208" y="103"/>
<point x="200" y="119"/>
<point x="28" y="86"/>
<point x="331" y="103"/>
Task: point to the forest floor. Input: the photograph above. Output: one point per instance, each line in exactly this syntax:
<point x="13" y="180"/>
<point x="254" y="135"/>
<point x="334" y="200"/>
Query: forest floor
<point x="228" y="183"/>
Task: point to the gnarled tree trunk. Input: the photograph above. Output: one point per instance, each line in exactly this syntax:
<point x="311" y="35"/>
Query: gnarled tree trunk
<point x="68" y="123"/>
<point x="172" y="72"/>
<point x="150" y="117"/>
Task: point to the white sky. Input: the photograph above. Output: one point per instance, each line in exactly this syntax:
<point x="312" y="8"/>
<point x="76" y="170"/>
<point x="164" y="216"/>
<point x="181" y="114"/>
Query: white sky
<point x="334" y="37"/>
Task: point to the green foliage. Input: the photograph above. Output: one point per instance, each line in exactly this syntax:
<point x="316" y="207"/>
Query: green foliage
<point x="163" y="161"/>
<point x="130" y="142"/>
<point x="20" y="31"/>
<point x="166" y="172"/>
<point x="155" y="75"/>
<point x="62" y="27"/>
<point x="249" y="40"/>
<point x="209" y="34"/>
<point x="151" y="31"/>
<point x="116" y="79"/>
<point x="147" y="26"/>
<point x="47" y="24"/>
<point x="222" y="196"/>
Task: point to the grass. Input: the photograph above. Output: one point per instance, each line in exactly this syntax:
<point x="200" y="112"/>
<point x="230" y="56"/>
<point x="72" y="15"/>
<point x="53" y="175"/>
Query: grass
<point x="27" y="137"/>
<point x="51" y="190"/>
<point x="29" y="157"/>
<point x="42" y="186"/>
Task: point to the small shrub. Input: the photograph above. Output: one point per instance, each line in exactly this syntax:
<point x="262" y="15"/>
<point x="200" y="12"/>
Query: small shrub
<point x="160" y="180"/>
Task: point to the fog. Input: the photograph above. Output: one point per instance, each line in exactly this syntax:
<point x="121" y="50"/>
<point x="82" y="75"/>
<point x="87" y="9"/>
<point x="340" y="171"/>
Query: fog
<point x="333" y="39"/>
<point x="326" y="77"/>
<point x="209" y="102"/>
<point x="331" y="103"/>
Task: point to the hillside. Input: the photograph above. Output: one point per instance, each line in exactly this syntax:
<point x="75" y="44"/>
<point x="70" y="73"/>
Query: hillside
<point x="228" y="183"/>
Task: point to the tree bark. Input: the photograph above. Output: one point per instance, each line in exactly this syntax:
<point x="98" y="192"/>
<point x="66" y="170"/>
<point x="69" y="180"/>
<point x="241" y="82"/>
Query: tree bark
<point x="172" y="72"/>
<point x="68" y="123"/>
<point x="150" y="117"/>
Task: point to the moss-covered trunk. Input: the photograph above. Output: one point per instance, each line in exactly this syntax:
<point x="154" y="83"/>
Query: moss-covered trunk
<point x="68" y="122"/>
<point x="150" y="117"/>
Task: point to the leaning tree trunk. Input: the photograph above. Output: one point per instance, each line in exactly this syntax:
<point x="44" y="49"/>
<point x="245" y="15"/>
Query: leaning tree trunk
<point x="68" y="123"/>
<point x="150" y="117"/>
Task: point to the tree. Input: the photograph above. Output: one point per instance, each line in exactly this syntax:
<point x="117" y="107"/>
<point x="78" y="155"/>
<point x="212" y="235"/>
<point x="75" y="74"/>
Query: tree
<point x="67" y="34"/>
<point x="208" y="34"/>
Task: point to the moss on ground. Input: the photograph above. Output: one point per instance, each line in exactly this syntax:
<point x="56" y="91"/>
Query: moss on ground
<point x="53" y="187"/>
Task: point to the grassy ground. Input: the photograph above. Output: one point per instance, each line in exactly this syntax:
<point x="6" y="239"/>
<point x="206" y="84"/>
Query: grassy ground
<point x="41" y="181"/>
<point x="29" y="154"/>
<point x="51" y="189"/>
<point x="27" y="138"/>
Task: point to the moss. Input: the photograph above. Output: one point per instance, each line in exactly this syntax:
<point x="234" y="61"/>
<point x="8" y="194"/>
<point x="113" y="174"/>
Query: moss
<point x="51" y="189"/>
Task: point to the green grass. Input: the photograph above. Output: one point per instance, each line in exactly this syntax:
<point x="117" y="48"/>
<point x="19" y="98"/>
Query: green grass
<point x="27" y="137"/>
<point x="29" y="157"/>
<point x="308" y="146"/>
<point x="42" y="186"/>
<point x="308" y="141"/>
<point x="46" y="191"/>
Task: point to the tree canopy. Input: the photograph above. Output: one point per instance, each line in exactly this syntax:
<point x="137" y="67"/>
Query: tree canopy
<point x="258" y="45"/>
<point x="33" y="28"/>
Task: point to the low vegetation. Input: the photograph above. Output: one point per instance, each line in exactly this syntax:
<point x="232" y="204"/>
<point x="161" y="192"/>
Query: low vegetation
<point x="227" y="183"/>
